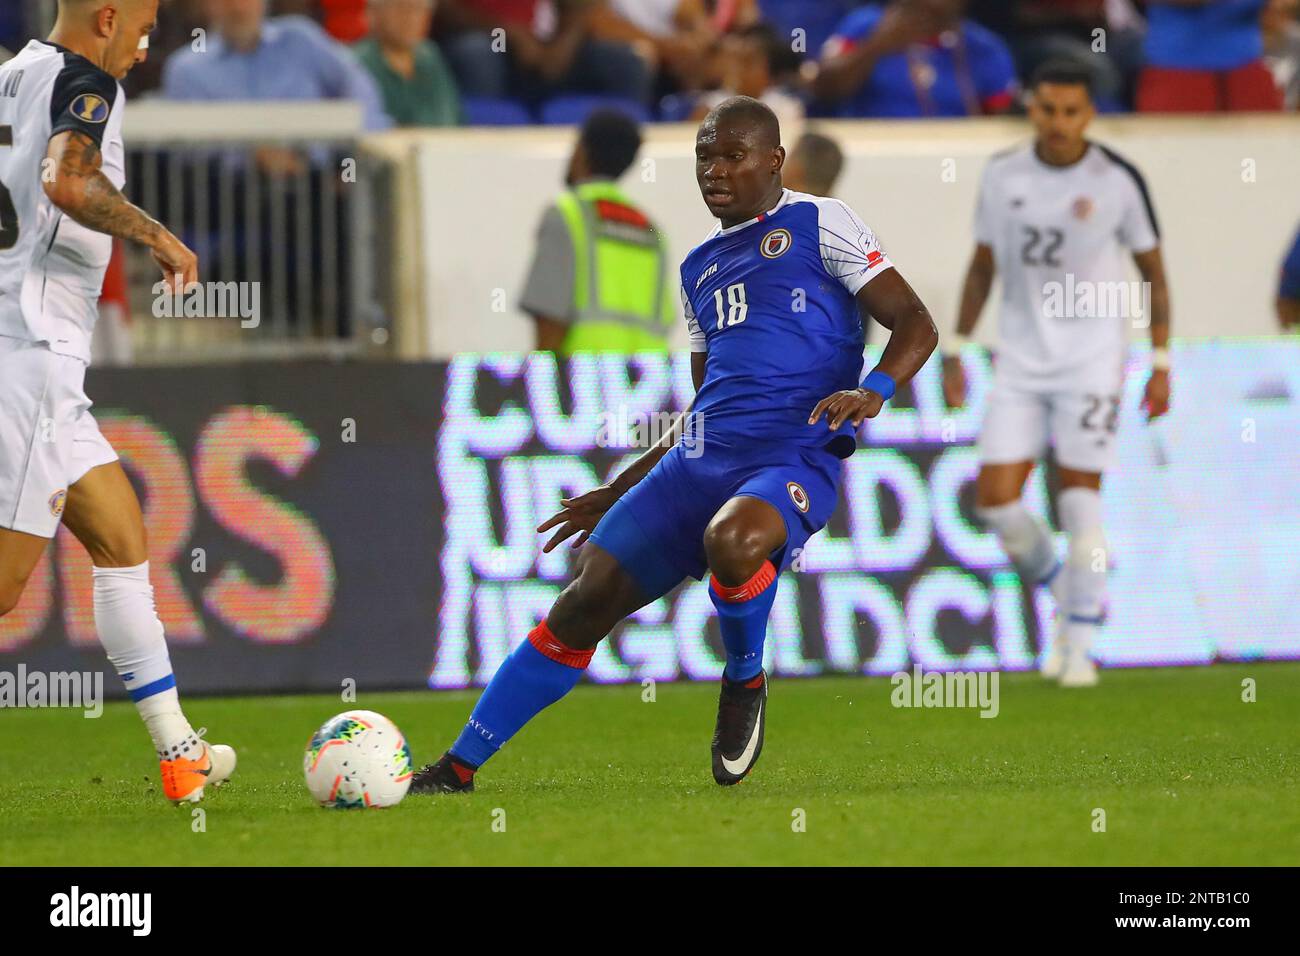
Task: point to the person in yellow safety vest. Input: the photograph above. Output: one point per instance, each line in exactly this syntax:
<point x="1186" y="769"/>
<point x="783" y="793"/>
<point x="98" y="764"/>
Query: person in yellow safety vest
<point x="599" y="278"/>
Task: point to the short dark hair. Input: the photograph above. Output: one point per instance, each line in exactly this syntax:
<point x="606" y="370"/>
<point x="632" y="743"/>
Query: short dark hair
<point x="822" y="159"/>
<point x="747" y="109"/>
<point x="1062" y="71"/>
<point x="611" y="140"/>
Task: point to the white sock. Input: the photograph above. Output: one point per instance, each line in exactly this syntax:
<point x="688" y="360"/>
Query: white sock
<point x="1086" y="563"/>
<point x="1028" y="544"/>
<point x="131" y="633"/>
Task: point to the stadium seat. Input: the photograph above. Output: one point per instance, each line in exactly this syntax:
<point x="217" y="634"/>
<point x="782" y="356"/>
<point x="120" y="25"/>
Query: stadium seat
<point x="572" y="110"/>
<point x="485" y="111"/>
<point x="676" y="107"/>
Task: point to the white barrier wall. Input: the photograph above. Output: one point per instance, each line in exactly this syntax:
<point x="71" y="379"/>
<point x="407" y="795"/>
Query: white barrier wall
<point x="1225" y="189"/>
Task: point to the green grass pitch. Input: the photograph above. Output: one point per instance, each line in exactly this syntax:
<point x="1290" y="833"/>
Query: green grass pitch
<point x="1186" y="772"/>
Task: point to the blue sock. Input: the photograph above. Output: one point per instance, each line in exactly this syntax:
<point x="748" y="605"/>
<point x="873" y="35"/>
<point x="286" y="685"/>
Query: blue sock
<point x="742" y="614"/>
<point x="538" y="672"/>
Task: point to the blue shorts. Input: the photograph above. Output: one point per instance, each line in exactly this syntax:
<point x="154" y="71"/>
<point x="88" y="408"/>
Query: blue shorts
<point x="656" y="530"/>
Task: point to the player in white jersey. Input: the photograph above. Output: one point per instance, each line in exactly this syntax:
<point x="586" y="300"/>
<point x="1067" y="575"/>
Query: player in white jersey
<point x="61" y="172"/>
<point x="1058" y="219"/>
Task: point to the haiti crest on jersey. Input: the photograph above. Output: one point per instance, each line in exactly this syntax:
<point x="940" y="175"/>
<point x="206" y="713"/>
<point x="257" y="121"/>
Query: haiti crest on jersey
<point x="775" y="243"/>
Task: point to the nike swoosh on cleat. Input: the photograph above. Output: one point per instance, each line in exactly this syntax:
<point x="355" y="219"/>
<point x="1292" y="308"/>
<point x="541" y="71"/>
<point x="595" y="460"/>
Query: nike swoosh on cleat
<point x="739" y="765"/>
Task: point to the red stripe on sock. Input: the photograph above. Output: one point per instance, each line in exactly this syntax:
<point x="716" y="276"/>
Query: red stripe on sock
<point x="550" y="646"/>
<point x="752" y="588"/>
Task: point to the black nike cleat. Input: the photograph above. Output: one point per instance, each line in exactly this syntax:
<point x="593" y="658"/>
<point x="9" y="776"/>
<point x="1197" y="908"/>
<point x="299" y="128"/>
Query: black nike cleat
<point x="738" y="737"/>
<point x="448" y="775"/>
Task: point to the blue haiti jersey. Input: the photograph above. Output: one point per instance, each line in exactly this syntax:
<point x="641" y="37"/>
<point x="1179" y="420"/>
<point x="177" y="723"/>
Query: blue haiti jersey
<point x="772" y="303"/>
<point x="961" y="72"/>
<point x="1223" y="35"/>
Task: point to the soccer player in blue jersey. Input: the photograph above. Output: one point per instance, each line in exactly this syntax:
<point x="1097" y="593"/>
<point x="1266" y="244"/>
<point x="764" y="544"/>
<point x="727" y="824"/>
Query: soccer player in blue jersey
<point x="774" y="300"/>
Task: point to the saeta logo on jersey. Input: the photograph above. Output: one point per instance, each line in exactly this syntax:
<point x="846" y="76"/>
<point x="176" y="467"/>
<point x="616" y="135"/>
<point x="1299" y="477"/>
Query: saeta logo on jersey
<point x="775" y="243"/>
<point x="797" y="495"/>
<point x="705" y="274"/>
<point x="89" y="108"/>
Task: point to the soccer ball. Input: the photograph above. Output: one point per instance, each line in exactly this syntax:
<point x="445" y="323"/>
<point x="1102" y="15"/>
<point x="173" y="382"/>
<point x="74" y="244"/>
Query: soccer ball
<point x="358" y="759"/>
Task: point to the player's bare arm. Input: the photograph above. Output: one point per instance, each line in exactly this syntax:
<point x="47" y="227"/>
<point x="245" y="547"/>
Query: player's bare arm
<point x="550" y="333"/>
<point x="912" y="339"/>
<point x="583" y="513"/>
<point x="81" y="190"/>
<point x="975" y="291"/>
<point x="1155" y="399"/>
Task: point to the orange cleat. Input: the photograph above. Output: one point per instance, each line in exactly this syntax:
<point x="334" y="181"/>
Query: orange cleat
<point x="184" y="779"/>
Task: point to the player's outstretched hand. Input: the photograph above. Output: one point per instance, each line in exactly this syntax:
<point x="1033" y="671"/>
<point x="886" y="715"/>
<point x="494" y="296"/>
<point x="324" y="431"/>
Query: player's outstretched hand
<point x="954" y="382"/>
<point x="579" y="514"/>
<point x="852" y="405"/>
<point x="179" y="265"/>
<point x="1156" y="398"/>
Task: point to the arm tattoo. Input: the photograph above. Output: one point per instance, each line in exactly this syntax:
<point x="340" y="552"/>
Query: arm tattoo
<point x="89" y="197"/>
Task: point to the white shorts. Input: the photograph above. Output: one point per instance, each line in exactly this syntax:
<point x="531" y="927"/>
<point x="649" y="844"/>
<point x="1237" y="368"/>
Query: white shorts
<point x="48" y="438"/>
<point x="1020" y="423"/>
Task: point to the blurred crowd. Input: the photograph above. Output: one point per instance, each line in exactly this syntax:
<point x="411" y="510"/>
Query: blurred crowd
<point x="449" y="62"/>
<point x="610" y="65"/>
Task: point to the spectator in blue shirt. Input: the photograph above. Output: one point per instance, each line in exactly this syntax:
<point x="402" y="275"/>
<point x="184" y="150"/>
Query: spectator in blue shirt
<point x="1288" y="289"/>
<point x="816" y="18"/>
<point x="1205" y="56"/>
<point x="246" y="56"/>
<point x="915" y="58"/>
